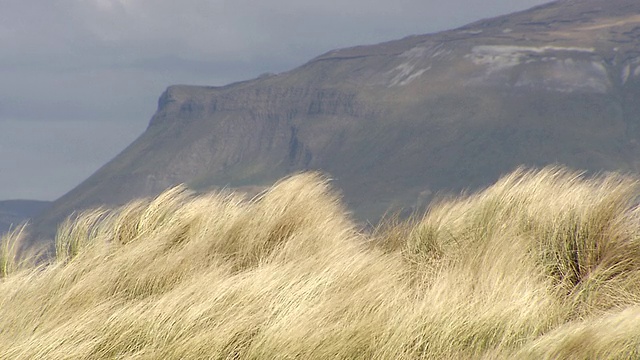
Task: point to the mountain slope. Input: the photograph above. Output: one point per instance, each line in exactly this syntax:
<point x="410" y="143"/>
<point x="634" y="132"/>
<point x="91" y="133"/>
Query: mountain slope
<point x="396" y="123"/>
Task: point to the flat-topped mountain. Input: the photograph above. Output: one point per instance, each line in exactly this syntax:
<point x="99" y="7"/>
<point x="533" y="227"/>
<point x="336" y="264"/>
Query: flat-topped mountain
<point x="396" y="123"/>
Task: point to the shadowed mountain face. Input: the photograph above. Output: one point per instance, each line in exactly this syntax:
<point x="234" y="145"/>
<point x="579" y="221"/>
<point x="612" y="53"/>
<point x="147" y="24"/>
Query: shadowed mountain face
<point x="396" y="123"/>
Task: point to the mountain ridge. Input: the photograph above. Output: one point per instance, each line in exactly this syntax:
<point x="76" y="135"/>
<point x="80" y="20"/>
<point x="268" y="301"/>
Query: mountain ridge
<point x="395" y="124"/>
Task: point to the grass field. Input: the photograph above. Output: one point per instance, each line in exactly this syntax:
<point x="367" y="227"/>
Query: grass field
<point x="545" y="264"/>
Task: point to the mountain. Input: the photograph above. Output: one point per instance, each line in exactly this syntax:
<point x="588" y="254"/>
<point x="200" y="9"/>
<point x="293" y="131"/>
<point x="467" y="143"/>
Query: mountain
<point x="15" y="212"/>
<point x="397" y="123"/>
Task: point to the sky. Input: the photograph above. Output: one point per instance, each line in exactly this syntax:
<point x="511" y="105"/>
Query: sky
<point x="80" y="79"/>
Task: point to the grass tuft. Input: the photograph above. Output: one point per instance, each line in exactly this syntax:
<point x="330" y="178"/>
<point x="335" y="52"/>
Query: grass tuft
<point x="544" y="264"/>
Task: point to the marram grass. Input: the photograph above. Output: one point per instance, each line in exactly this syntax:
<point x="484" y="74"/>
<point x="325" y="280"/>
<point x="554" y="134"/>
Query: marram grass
<point x="542" y="265"/>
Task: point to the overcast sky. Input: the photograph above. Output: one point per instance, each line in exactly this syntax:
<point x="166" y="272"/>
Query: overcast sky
<point x="80" y="79"/>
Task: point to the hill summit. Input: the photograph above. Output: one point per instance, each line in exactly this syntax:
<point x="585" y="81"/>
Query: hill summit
<point x="397" y="123"/>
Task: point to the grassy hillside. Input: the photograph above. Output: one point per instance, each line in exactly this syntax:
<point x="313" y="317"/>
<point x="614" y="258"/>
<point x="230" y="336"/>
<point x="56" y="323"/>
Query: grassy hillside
<point x="544" y="264"/>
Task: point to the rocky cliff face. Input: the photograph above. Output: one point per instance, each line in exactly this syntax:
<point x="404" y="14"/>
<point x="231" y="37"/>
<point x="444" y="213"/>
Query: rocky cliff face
<point x="396" y="123"/>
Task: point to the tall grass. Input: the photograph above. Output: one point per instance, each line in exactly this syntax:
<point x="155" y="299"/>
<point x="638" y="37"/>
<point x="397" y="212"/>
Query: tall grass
<point x="9" y="247"/>
<point x="543" y="264"/>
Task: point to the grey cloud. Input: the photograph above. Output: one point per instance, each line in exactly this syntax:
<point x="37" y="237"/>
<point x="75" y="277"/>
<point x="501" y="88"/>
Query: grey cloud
<point x="42" y="159"/>
<point x="110" y="31"/>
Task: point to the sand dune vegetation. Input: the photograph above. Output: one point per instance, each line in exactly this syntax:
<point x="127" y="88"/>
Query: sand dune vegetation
<point x="545" y="264"/>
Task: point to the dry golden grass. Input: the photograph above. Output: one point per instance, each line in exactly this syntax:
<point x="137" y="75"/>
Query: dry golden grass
<point x="544" y="264"/>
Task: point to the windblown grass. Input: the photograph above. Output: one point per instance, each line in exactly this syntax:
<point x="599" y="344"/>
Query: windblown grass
<point x="544" y="264"/>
